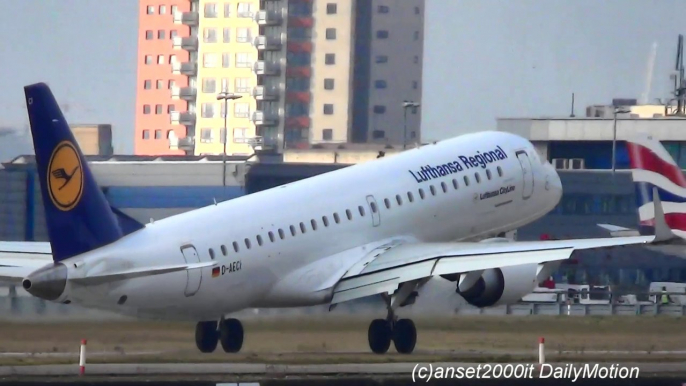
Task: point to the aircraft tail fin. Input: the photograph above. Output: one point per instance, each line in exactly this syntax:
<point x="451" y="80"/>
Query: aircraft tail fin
<point x="79" y="218"/>
<point x="660" y="187"/>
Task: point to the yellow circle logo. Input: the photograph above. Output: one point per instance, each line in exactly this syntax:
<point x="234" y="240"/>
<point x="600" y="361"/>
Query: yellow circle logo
<point x="65" y="176"/>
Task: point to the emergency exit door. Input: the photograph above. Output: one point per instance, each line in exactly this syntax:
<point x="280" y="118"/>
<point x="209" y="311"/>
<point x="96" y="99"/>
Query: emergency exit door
<point x="193" y="276"/>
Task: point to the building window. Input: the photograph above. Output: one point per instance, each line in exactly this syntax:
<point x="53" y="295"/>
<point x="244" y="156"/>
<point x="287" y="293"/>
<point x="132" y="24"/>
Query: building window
<point x="222" y="135"/>
<point x="379" y="109"/>
<point x="173" y="33"/>
<point x="209" y="60"/>
<point x="328" y="109"/>
<point x="151" y="10"/>
<point x="380" y="84"/>
<point x="327" y="134"/>
<point x="169" y="133"/>
<point x="171" y="108"/>
<point x="242" y="60"/>
<point x="415" y="85"/>
<point x="331" y="9"/>
<point x="245" y="10"/>
<point x="163" y="9"/>
<point x="416" y="35"/>
<point x="416" y="59"/>
<point x="171" y="84"/>
<point x="240" y="134"/>
<point x="330" y="34"/>
<point x="206" y="135"/>
<point x="160" y="59"/>
<point x="330" y="59"/>
<point x="174" y="9"/>
<point x="226" y="60"/>
<point x="328" y="84"/>
<point x="148" y="59"/>
<point x="227" y="34"/>
<point x="172" y="59"/>
<point x="382" y="34"/>
<point x="209" y="85"/>
<point x="378" y="134"/>
<point x="242" y="85"/>
<point x="243" y="35"/>
<point x="147" y="84"/>
<point x="382" y="59"/>
<point x="146" y="134"/>
<point x="207" y="110"/>
<point x="227" y="9"/>
<point x="158" y="134"/>
<point x="210" y="10"/>
<point x="241" y="110"/>
<point x="160" y="84"/>
<point x="146" y="109"/>
<point x="148" y="35"/>
<point x="160" y="34"/>
<point x="383" y="9"/>
<point x="209" y="35"/>
<point x="158" y="109"/>
<point x="417" y="10"/>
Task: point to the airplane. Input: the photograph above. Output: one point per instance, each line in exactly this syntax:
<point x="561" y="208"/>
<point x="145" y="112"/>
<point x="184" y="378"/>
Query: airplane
<point x="383" y="228"/>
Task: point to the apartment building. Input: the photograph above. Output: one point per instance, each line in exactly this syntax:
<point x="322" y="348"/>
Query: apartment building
<point x="155" y="78"/>
<point x="306" y="72"/>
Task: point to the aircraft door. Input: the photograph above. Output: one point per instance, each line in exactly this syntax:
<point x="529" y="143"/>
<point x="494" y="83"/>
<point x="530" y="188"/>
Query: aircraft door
<point x="194" y="276"/>
<point x="527" y="174"/>
<point x="374" y="208"/>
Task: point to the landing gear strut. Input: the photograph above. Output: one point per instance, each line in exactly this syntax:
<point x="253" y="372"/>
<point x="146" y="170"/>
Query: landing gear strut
<point x="229" y="334"/>
<point x="402" y="332"/>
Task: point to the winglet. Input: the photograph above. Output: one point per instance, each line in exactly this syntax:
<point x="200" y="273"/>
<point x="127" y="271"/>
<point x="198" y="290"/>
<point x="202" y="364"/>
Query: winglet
<point x="662" y="230"/>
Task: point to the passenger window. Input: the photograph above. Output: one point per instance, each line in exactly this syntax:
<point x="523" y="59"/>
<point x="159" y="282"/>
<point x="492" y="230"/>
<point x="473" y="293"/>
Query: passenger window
<point x="398" y="199"/>
<point x="223" y="248"/>
<point x="373" y="205"/>
<point x="387" y="203"/>
<point x="235" y="246"/>
<point x="477" y="176"/>
<point x="314" y="224"/>
<point x="455" y="184"/>
<point x="271" y="236"/>
<point x="302" y="228"/>
<point x="361" y="209"/>
<point x="421" y="193"/>
<point x="500" y="172"/>
<point x="336" y="218"/>
<point x="259" y="240"/>
<point x="488" y="174"/>
<point x="325" y="220"/>
<point x="444" y="187"/>
<point x="410" y="196"/>
<point x="282" y="235"/>
<point x="349" y="214"/>
<point x="466" y="181"/>
<point x="247" y="243"/>
<point x="433" y="190"/>
<point x="292" y="230"/>
<point x="211" y="254"/>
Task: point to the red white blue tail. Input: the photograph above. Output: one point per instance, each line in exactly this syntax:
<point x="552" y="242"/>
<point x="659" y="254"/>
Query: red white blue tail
<point x="654" y="171"/>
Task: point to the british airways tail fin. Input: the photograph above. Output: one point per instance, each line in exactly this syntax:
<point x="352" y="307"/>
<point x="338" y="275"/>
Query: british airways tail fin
<point x="660" y="186"/>
<point x="79" y="218"/>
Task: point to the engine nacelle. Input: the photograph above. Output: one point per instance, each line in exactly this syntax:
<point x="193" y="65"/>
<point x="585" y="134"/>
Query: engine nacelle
<point x="504" y="285"/>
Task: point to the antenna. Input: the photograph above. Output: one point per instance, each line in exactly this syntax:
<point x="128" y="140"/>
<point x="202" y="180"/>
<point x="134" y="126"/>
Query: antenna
<point x="649" y="74"/>
<point x="572" y="113"/>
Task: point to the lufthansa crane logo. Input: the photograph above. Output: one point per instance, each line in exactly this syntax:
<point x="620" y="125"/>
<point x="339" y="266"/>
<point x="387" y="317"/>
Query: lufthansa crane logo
<point x="65" y="176"/>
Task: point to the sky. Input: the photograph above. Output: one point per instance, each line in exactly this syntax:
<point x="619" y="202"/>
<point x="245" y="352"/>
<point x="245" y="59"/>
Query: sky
<point x="483" y="59"/>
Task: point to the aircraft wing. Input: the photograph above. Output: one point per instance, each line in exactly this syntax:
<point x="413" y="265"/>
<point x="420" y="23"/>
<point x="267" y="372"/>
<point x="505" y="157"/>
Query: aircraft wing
<point x="20" y="258"/>
<point x="417" y="261"/>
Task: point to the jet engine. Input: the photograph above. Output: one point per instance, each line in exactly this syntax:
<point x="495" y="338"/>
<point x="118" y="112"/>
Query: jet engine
<point x="497" y="286"/>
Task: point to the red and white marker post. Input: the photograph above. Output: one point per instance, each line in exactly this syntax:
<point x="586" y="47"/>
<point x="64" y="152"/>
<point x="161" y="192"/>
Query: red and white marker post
<point x="82" y="358"/>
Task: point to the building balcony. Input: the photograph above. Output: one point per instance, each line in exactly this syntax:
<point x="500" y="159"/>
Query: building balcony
<point x="186" y="18"/>
<point x="185" y="118"/>
<point x="187" y="43"/>
<point x="268" y="18"/>
<point x="187" y="144"/>
<point x="185" y="93"/>
<point x="266" y="68"/>
<point x="268" y="43"/>
<point x="262" y="118"/>
<point x="188" y="68"/>
<point x="262" y="93"/>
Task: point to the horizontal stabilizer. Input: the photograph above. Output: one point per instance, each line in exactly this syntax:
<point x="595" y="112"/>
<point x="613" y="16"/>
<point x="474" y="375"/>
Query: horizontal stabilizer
<point x="137" y="272"/>
<point x="617" y="231"/>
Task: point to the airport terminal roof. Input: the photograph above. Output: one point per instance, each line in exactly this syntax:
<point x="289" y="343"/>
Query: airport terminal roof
<point x="31" y="159"/>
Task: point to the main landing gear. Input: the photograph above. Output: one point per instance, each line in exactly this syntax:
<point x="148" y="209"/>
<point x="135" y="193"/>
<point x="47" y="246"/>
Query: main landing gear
<point x="402" y="332"/>
<point x="229" y="334"/>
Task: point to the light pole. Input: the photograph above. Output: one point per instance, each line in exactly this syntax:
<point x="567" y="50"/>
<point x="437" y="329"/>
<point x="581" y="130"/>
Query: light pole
<point x="226" y="97"/>
<point x="406" y="105"/>
<point x="618" y="110"/>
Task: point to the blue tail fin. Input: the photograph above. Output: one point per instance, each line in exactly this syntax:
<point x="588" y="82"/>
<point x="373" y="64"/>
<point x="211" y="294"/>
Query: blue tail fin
<point x="78" y="216"/>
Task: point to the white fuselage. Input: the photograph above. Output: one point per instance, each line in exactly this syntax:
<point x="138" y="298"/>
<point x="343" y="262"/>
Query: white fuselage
<point x="289" y="245"/>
